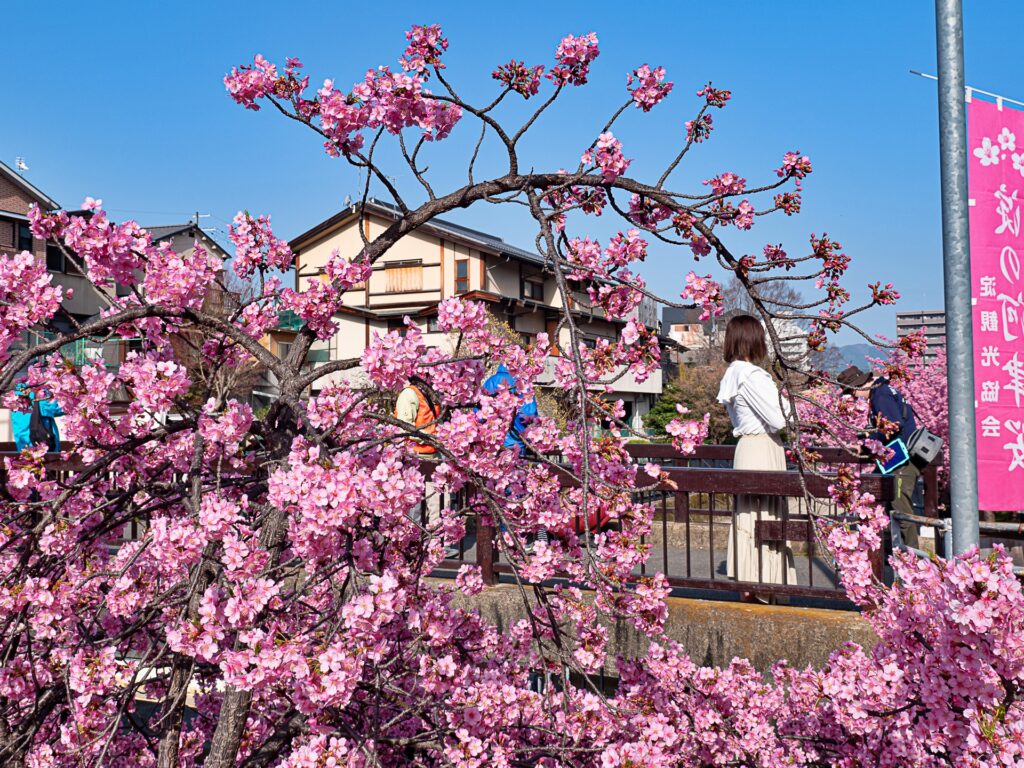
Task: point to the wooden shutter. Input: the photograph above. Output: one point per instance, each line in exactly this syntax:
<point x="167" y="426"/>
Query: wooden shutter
<point x="404" y="277"/>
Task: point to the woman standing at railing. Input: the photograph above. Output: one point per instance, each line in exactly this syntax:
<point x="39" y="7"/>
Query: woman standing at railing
<point x="749" y="394"/>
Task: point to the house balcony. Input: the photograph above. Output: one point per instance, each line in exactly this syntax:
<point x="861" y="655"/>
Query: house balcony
<point x="627" y="384"/>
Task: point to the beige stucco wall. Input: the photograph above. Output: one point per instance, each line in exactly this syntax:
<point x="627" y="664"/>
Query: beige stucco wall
<point x="502" y="277"/>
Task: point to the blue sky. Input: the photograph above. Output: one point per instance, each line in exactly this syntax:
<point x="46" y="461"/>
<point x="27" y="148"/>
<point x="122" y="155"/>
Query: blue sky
<point x="125" y="101"/>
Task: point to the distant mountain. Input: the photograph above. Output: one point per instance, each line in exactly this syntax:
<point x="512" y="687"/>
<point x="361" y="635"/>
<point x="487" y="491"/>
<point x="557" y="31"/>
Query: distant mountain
<point x="858" y="354"/>
<point x="836" y="359"/>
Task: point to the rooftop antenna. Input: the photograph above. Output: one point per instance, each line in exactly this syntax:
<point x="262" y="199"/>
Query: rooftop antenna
<point x="198" y="216"/>
<point x="20" y="165"/>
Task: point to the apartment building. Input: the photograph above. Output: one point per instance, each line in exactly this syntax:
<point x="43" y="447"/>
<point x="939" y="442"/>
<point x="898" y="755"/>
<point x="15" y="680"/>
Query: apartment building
<point x="444" y="259"/>
<point x="702" y="341"/>
<point x="932" y="321"/>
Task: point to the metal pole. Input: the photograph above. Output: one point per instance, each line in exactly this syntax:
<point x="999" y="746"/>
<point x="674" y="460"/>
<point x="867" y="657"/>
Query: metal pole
<point x="963" y="468"/>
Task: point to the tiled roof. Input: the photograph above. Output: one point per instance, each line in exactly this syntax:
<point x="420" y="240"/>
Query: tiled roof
<point x="163" y="232"/>
<point x="447" y="228"/>
<point x="167" y="231"/>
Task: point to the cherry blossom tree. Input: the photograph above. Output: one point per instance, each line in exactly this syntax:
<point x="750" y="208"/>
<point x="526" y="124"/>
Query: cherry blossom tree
<point x="277" y="611"/>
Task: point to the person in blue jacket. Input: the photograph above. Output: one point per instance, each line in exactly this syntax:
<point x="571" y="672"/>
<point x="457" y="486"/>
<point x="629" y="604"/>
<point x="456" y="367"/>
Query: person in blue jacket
<point x="886" y="402"/>
<point x="21" y="422"/>
<point x="502" y="379"/>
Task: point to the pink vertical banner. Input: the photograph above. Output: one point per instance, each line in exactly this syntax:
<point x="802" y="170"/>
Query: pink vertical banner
<point x="995" y="139"/>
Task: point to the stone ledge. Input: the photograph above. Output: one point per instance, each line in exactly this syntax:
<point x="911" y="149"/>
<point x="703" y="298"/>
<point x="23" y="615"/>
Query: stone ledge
<point x="715" y="632"/>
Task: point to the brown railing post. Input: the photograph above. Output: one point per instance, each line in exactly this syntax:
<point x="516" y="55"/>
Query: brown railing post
<point x="931" y="490"/>
<point x="878" y="563"/>
<point x="485" y="549"/>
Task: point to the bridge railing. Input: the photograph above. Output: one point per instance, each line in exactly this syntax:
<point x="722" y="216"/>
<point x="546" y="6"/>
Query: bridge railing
<point x="695" y="512"/>
<point x="695" y="509"/>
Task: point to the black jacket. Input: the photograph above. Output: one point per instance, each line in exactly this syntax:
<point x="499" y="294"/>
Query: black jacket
<point x="891" y="405"/>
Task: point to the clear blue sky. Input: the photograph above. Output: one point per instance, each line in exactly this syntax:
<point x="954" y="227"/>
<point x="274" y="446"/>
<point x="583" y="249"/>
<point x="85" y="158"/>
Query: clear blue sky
<point x="125" y="101"/>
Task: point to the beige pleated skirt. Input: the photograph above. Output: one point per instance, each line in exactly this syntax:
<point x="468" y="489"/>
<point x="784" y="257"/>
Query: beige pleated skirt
<point x="758" y="452"/>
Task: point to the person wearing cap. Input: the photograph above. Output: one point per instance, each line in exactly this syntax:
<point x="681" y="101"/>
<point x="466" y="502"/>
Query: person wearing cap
<point x="887" y="403"/>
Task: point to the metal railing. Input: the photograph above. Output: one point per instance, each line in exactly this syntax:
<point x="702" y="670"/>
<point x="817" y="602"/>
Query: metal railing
<point x="695" y="511"/>
<point x="695" y="514"/>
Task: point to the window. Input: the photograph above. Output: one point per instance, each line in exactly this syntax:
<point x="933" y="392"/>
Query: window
<point x="462" y="276"/>
<point x="397" y="324"/>
<point x="6" y="233"/>
<point x="403" y="276"/>
<point x="432" y="326"/>
<point x="284" y="348"/>
<point x="54" y="258"/>
<point x="533" y="288"/>
<point x="57" y="261"/>
<point x="24" y="237"/>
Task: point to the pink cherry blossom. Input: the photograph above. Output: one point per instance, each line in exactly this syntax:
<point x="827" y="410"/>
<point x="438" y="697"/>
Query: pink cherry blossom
<point x="574" y="55"/>
<point x="649" y="89"/>
<point x="607" y="155"/>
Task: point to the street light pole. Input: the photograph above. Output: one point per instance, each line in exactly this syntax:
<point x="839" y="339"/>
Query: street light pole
<point x="963" y="466"/>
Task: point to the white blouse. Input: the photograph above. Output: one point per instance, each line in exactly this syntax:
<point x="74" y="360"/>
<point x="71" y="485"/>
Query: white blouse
<point x="749" y="394"/>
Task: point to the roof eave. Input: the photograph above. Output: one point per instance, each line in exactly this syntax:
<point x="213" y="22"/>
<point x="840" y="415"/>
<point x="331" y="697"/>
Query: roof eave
<point x="29" y="187"/>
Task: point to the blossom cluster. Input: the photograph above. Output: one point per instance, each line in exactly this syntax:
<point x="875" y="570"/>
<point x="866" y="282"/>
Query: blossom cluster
<point x="689" y="433"/>
<point x="574" y="56"/>
<point x="607" y="155"/>
<point x="256" y="247"/>
<point x="23" y="275"/>
<point x="426" y="44"/>
<point x="727" y="184"/>
<point x="383" y="99"/>
<point x="705" y="292"/>
<point x="650" y="87"/>
<point x="520" y="78"/>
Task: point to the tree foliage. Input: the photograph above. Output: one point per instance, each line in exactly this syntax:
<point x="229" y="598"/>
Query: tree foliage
<point x="696" y="389"/>
<point x="278" y="609"/>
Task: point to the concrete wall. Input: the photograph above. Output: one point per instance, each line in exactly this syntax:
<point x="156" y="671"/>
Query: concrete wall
<point x="714" y="632"/>
<point x="530" y="322"/>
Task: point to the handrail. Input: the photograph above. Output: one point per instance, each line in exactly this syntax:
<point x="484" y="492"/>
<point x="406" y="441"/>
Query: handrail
<point x="826" y="455"/>
<point x="698" y="501"/>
